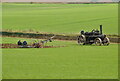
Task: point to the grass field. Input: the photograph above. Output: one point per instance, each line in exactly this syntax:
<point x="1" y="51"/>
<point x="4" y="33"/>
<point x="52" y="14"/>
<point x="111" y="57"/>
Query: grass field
<point x="71" y="62"/>
<point x="60" y="18"/>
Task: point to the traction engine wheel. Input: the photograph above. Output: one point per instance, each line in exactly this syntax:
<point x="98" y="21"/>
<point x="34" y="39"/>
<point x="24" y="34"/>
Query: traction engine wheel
<point x="98" y="41"/>
<point x="106" y="41"/>
<point x="81" y="40"/>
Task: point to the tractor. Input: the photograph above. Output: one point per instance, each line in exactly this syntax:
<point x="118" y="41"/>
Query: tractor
<point x="94" y="37"/>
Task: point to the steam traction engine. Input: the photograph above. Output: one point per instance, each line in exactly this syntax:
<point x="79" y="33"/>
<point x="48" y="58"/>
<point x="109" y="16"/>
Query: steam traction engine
<point x="93" y="37"/>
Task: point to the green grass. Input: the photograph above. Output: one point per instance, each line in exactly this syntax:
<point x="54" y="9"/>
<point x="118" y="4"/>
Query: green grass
<point x="72" y="62"/>
<point x="10" y="40"/>
<point x="60" y="18"/>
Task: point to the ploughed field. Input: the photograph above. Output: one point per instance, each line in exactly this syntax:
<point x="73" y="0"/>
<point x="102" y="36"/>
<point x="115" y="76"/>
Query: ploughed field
<point x="60" y="18"/>
<point x="70" y="62"/>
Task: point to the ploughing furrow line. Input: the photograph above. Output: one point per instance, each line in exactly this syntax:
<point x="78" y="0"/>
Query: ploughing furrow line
<point x="28" y="46"/>
<point x="44" y="36"/>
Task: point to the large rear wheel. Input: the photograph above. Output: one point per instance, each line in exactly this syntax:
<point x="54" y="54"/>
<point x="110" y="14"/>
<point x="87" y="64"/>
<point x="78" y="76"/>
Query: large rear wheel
<point x="81" y="40"/>
<point x="98" y="41"/>
<point x="106" y="41"/>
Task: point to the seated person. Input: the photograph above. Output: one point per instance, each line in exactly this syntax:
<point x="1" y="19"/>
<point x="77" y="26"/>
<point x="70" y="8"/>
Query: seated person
<point x="19" y="42"/>
<point x="24" y="43"/>
<point x="97" y="32"/>
<point x="82" y="32"/>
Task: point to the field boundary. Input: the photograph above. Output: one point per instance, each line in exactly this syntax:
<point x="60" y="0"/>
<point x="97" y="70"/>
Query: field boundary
<point x="45" y="36"/>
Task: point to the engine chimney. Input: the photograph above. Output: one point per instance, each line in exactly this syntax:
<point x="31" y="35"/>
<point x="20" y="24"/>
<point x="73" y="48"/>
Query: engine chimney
<point x="100" y="29"/>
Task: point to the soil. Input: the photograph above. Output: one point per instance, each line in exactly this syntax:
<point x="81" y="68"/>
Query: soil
<point x="28" y="46"/>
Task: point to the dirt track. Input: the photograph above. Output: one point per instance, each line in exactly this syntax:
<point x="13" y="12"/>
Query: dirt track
<point x="29" y="46"/>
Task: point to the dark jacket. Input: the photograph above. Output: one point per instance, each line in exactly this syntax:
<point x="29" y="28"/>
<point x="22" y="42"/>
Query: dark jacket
<point x="24" y="43"/>
<point x="19" y="43"/>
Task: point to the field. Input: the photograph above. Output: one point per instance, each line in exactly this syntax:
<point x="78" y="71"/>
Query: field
<point x="60" y="18"/>
<point x="69" y="62"/>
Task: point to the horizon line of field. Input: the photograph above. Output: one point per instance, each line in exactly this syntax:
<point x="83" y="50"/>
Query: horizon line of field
<point x="46" y="36"/>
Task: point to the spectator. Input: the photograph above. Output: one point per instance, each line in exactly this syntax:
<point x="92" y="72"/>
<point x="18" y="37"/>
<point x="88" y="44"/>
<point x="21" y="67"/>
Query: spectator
<point x="19" y="42"/>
